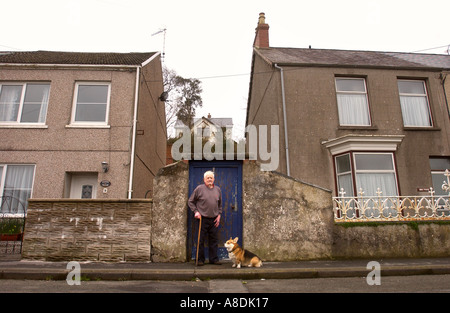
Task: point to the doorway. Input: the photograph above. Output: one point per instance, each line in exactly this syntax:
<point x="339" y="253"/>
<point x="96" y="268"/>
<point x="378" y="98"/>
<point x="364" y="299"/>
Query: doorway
<point x="228" y="176"/>
<point x="82" y="185"/>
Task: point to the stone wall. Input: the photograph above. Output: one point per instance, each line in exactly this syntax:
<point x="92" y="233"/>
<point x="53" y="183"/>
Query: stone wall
<point x="391" y="240"/>
<point x="285" y="219"/>
<point x="169" y="224"/>
<point x="87" y="230"/>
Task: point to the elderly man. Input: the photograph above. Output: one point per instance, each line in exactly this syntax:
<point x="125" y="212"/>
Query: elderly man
<point x="206" y="203"/>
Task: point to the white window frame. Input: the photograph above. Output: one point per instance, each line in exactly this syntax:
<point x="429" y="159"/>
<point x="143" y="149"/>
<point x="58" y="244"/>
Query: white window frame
<point x="440" y="171"/>
<point x="74" y="123"/>
<point x="338" y="92"/>
<point x="372" y="171"/>
<point x="2" y="185"/>
<point x="425" y="95"/>
<point x="354" y="172"/>
<point x="18" y="122"/>
<point x="348" y="193"/>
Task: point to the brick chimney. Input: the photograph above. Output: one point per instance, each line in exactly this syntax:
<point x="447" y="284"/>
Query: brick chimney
<point x="262" y="33"/>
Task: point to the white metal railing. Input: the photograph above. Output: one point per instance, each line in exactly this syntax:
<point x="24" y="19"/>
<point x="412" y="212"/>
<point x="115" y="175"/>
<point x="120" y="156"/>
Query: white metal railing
<point x="393" y="208"/>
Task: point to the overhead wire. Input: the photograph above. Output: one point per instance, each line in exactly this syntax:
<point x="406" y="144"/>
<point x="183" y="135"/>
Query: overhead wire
<point x="446" y="46"/>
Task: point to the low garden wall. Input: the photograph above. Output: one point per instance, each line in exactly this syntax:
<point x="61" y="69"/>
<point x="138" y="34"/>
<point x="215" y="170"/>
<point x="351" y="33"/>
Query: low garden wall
<point x="391" y="240"/>
<point x="283" y="220"/>
<point x="87" y="230"/>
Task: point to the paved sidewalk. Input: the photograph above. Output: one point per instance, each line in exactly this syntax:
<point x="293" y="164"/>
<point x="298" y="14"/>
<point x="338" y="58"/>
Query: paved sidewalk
<point x="13" y="268"/>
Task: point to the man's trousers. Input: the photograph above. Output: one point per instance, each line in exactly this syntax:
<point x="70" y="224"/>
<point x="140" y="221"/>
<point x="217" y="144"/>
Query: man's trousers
<point x="211" y="232"/>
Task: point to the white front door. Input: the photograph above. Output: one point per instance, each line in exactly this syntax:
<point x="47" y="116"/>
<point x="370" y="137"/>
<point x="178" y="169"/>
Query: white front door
<point x="83" y="186"/>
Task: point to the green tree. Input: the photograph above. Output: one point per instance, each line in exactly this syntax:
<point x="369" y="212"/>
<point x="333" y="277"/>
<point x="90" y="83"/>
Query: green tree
<point x="184" y="98"/>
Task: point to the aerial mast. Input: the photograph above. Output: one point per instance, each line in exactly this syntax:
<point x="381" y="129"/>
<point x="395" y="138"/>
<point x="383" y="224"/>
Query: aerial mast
<point x="162" y="30"/>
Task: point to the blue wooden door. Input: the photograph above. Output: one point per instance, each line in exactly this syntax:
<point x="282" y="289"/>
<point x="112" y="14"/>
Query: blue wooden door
<point x="228" y="176"/>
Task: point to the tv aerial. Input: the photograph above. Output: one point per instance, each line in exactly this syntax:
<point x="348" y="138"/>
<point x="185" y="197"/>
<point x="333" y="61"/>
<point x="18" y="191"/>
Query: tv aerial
<point x="163" y="31"/>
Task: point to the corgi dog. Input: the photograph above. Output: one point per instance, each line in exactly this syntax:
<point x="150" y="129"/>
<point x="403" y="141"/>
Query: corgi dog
<point x="240" y="256"/>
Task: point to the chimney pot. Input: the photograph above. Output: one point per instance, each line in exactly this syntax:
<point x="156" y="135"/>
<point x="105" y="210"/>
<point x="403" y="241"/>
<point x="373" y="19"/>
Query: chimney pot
<point x="262" y="18"/>
<point x="209" y="115"/>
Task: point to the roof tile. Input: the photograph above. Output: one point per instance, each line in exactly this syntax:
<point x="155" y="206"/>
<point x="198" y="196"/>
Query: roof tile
<point x="329" y="57"/>
<point x="91" y="58"/>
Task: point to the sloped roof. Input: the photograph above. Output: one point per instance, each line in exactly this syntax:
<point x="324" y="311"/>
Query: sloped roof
<point x="329" y="57"/>
<point x="221" y="122"/>
<point x="88" y="58"/>
<point x="433" y="60"/>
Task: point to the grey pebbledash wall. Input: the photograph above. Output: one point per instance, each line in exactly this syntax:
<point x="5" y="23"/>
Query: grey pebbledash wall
<point x="283" y="220"/>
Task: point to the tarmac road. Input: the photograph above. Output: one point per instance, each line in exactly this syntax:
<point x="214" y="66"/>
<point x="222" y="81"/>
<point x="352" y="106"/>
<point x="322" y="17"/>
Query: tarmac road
<point x="388" y="284"/>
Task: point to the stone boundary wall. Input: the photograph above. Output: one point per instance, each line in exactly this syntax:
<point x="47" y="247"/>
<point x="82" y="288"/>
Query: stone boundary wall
<point x="283" y="220"/>
<point x="87" y="230"/>
<point x="391" y="240"/>
<point x="170" y="212"/>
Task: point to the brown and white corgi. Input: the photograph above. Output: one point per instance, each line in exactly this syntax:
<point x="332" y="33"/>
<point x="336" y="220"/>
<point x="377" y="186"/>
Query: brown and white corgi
<point x="240" y="256"/>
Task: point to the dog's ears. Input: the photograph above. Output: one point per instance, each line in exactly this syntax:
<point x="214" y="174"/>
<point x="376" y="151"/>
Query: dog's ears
<point x="235" y="239"/>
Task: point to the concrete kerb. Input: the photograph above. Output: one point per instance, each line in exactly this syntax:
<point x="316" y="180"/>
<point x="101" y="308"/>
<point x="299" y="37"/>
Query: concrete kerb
<point x="187" y="271"/>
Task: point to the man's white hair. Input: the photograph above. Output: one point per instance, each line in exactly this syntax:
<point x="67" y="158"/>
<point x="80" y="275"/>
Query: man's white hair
<point x="207" y="173"/>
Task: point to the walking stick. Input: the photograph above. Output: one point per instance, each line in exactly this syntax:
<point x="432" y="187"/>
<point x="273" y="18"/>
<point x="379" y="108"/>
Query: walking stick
<point x="198" y="240"/>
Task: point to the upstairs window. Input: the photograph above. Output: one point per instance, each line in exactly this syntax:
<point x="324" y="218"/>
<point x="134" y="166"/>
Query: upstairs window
<point x="23" y="103"/>
<point x="91" y="104"/>
<point x="353" y="105"/>
<point x="414" y="103"/>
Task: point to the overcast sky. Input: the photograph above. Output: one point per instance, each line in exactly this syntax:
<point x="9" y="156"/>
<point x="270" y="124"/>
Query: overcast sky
<point x="212" y="40"/>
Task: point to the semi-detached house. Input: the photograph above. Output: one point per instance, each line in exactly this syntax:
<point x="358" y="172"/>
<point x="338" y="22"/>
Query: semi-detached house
<point x="354" y="122"/>
<point x="79" y="125"/>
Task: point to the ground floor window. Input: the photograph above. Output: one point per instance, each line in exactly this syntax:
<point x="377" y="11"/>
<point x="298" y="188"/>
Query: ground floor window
<point x="438" y="166"/>
<point x="371" y="173"/>
<point x="16" y="184"/>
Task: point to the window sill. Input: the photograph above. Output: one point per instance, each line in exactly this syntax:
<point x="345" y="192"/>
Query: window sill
<point x="349" y="127"/>
<point x="88" y="126"/>
<point x="28" y="126"/>
<point x="421" y="128"/>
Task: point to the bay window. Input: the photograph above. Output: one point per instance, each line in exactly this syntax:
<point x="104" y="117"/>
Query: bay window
<point x="438" y="166"/>
<point x="369" y="172"/>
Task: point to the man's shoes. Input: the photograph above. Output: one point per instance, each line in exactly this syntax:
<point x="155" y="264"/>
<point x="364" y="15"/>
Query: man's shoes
<point x="216" y="263"/>
<point x="200" y="263"/>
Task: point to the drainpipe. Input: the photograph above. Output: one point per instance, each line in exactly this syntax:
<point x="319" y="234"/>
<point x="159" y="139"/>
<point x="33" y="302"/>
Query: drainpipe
<point x="288" y="171"/>
<point x="443" y="78"/>
<point x="133" y="140"/>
